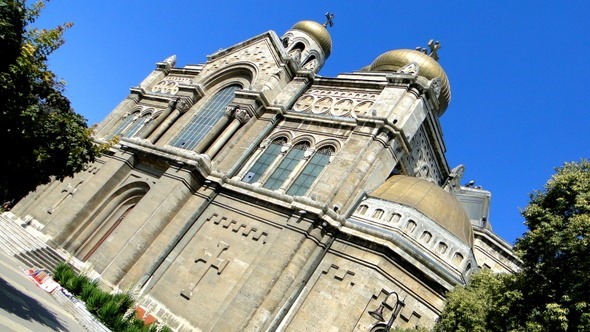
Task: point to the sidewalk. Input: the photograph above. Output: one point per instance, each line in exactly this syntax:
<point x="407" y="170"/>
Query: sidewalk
<point x="26" y="307"/>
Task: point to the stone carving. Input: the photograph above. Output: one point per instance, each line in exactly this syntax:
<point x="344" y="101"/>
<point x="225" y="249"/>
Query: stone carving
<point x="295" y="55"/>
<point x="242" y="115"/>
<point x="340" y="274"/>
<point x="68" y="191"/>
<point x="246" y="230"/>
<point x="166" y="86"/>
<point x="411" y="68"/>
<point x="421" y="160"/>
<point x="311" y="64"/>
<point x="182" y="105"/>
<point x="335" y="103"/>
<point x="258" y="54"/>
<point x="171" y="60"/>
<point x="169" y="85"/>
<point x="436" y="86"/>
<point x="210" y="260"/>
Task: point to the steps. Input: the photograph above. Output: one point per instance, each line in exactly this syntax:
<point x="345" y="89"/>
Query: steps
<point x="17" y="242"/>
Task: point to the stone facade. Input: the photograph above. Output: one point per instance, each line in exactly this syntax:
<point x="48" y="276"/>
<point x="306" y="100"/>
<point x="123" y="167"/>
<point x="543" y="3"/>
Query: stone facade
<point x="249" y="193"/>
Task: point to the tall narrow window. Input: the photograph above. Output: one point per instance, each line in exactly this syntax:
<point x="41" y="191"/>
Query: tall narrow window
<point x="136" y="126"/>
<point x="203" y="120"/>
<point x="125" y="123"/>
<point x="286" y="166"/>
<point x="267" y="158"/>
<point x="311" y="171"/>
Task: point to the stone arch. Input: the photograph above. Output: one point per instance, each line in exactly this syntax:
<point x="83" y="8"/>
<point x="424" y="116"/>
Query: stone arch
<point x="92" y="234"/>
<point x="242" y="73"/>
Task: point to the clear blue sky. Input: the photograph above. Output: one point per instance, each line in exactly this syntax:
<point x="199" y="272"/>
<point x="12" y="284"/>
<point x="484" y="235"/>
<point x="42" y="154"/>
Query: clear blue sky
<point x="518" y="69"/>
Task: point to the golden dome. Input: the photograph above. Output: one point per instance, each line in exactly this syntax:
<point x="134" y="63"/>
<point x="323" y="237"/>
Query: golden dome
<point x="429" y="199"/>
<point x="318" y="32"/>
<point x="429" y="68"/>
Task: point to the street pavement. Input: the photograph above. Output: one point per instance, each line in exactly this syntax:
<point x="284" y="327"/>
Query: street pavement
<point x="26" y="307"/>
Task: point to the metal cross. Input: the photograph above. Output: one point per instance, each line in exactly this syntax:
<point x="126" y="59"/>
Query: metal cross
<point x="329" y="17"/>
<point x="434" y="47"/>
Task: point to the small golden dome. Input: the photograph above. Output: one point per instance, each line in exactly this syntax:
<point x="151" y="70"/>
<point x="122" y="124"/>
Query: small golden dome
<point x="318" y="32"/>
<point x="429" y="68"/>
<point x="429" y="199"/>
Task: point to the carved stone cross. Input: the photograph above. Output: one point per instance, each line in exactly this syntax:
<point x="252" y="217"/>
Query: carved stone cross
<point x="68" y="191"/>
<point x="329" y="17"/>
<point x="211" y="260"/>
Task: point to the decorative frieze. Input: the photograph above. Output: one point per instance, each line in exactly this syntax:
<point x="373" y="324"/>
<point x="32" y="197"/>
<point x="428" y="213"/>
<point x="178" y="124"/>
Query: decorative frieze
<point x="336" y="103"/>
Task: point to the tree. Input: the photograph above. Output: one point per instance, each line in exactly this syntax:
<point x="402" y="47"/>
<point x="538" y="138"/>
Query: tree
<point x="550" y="292"/>
<point x="556" y="251"/>
<point x="41" y="134"/>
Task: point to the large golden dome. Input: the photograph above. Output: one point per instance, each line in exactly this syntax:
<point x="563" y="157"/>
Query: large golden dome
<point x="429" y="68"/>
<point x="429" y="199"/>
<point x="318" y="32"/>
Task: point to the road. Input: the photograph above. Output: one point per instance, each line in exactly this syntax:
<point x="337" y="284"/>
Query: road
<point x="26" y="307"/>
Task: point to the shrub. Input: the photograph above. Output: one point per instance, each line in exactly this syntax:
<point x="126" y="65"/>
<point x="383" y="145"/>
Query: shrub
<point x="109" y="312"/>
<point x="87" y="291"/>
<point x="63" y="273"/>
<point x="76" y="283"/>
<point x="124" y="301"/>
<point x="96" y="300"/>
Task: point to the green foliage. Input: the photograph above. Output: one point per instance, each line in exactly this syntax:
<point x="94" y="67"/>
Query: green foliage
<point x="87" y="290"/>
<point x="62" y="273"/>
<point x="550" y="292"/>
<point x="96" y="300"/>
<point x="109" y="312"/>
<point x="555" y="251"/>
<point x="483" y="305"/>
<point x="42" y="135"/>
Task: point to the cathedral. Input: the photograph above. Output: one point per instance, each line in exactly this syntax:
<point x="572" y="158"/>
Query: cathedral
<point x="248" y="193"/>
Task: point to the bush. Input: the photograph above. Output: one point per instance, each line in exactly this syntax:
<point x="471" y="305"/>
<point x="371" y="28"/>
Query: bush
<point x="63" y="273"/>
<point x="124" y="301"/>
<point x="76" y="283"/>
<point x="108" y="313"/>
<point x="87" y="290"/>
<point x="96" y="300"/>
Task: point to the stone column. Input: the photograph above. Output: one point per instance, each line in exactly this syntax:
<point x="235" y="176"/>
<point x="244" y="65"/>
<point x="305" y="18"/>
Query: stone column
<point x="154" y="125"/>
<point x="358" y="174"/>
<point x="240" y="117"/>
<point x="182" y="105"/>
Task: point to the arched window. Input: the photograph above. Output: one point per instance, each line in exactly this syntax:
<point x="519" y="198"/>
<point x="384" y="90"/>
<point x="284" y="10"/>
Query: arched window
<point x="378" y="214"/>
<point x="311" y="171"/>
<point x="204" y="119"/>
<point x="286" y="166"/>
<point x="122" y="128"/>
<point x="395" y="218"/>
<point x="263" y="163"/>
<point x="442" y="247"/>
<point x="136" y="126"/>
<point x="410" y="226"/>
<point x="362" y="209"/>
<point x="426" y="236"/>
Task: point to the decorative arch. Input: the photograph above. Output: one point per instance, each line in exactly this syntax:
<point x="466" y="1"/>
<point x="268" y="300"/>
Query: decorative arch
<point x="107" y="218"/>
<point x="243" y="73"/>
